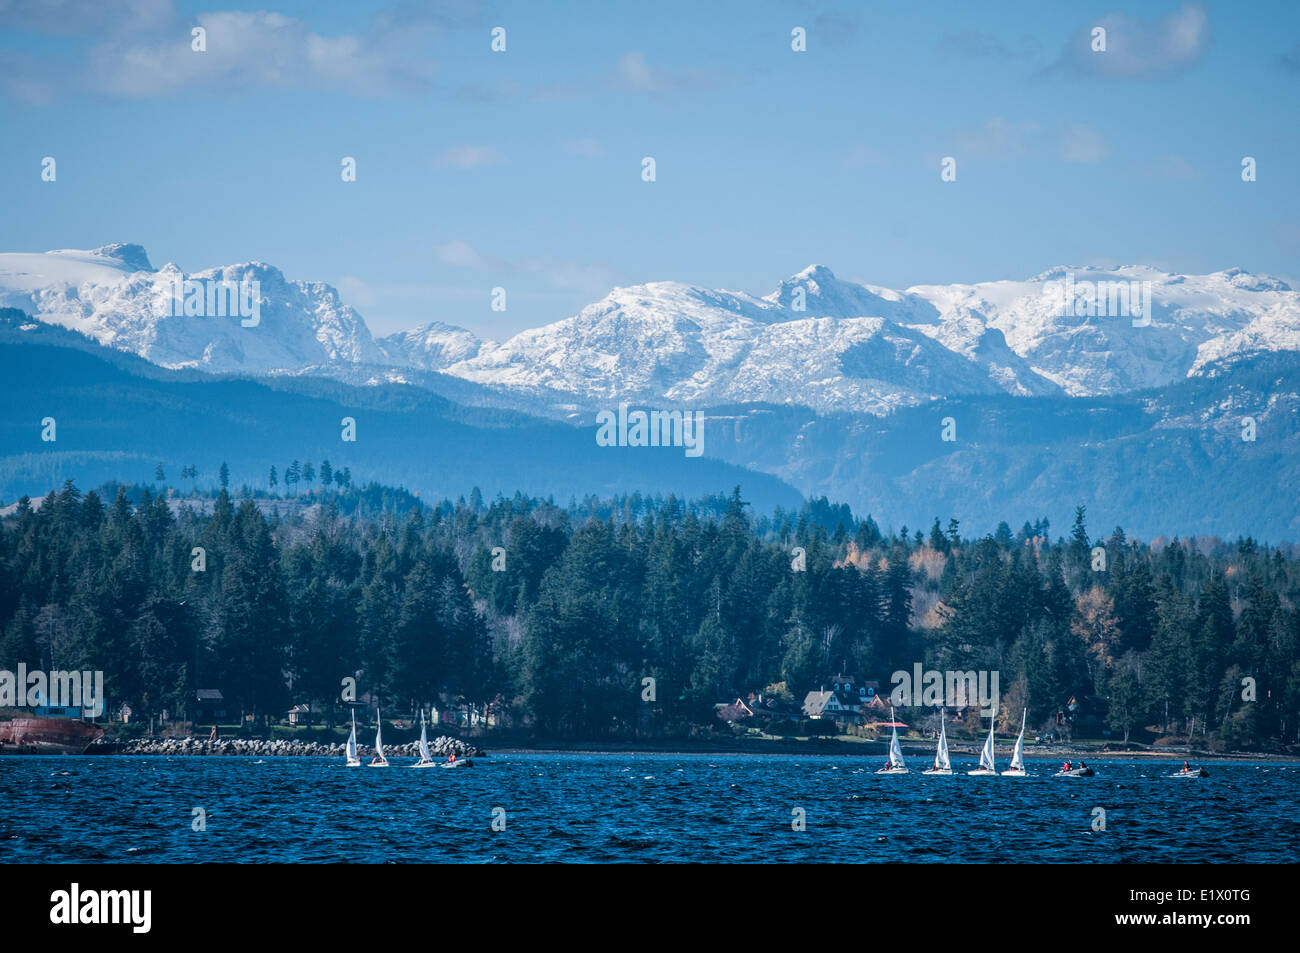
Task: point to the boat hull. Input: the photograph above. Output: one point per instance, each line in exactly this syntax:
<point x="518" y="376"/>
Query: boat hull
<point x="1014" y="773"/>
<point x="1075" y="773"/>
<point x="48" y="735"/>
<point x="982" y="772"/>
<point x="1201" y="773"/>
<point x="462" y="763"/>
<point x="938" y="771"/>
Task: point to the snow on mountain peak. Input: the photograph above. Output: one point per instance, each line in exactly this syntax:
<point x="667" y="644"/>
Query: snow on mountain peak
<point x="432" y="347"/>
<point x="133" y="257"/>
<point x="817" y="340"/>
<point x="113" y="295"/>
<point x="1246" y="281"/>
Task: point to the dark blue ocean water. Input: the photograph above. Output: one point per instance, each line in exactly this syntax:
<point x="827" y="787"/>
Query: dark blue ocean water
<point x="635" y="807"/>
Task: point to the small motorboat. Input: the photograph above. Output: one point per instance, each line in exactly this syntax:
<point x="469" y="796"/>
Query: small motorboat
<point x="1075" y="773"/>
<point x="458" y="763"/>
<point x="1191" y="773"/>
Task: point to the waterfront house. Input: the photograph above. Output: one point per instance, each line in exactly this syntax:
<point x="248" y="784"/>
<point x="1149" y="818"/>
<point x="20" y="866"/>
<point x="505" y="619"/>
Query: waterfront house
<point x="209" y="705"/>
<point x="827" y="705"/>
<point x="736" y="712"/>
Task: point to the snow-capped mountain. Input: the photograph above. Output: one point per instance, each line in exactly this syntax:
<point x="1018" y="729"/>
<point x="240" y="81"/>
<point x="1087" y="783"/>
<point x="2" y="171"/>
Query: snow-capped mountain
<point x="816" y="341"/>
<point x="113" y="295"/>
<point x="430" y="347"/>
<point x="1195" y="319"/>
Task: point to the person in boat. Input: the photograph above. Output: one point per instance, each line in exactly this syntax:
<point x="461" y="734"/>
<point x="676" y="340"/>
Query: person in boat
<point x="1083" y="765"/>
<point x="1185" y="767"/>
<point x="451" y="758"/>
<point x="1066" y="766"/>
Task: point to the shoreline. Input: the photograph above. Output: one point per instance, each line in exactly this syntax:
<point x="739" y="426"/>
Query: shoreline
<point x="920" y="752"/>
<point x="1072" y="754"/>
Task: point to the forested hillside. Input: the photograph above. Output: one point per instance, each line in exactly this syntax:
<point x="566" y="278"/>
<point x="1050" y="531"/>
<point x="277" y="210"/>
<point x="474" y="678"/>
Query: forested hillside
<point x="557" y="612"/>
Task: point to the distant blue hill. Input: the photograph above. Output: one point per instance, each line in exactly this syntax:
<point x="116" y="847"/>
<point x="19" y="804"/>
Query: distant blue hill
<point x="118" y="417"/>
<point x="1165" y="462"/>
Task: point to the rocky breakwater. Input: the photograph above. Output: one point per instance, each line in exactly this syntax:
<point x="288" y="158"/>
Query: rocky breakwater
<point x="439" y="747"/>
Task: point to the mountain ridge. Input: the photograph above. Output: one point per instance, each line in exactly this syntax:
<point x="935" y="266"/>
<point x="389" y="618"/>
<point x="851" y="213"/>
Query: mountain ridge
<point x="816" y="341"/>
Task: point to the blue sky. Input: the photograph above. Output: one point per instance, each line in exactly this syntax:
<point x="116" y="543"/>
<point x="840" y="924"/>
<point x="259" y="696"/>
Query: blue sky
<point x="522" y="169"/>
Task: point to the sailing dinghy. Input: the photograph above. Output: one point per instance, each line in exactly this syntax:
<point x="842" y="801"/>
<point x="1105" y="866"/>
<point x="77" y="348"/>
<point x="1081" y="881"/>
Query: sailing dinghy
<point x="1017" y="769"/>
<point x="896" y="765"/>
<point x="379" y="760"/>
<point x="941" y="763"/>
<point x="426" y="760"/>
<point x="986" y="756"/>
<point x="354" y="761"/>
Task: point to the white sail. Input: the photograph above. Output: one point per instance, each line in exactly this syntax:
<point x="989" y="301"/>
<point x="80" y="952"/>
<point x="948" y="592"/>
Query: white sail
<point x="379" y="737"/>
<point x="1018" y="756"/>
<point x="352" y="740"/>
<point x="895" y="752"/>
<point x="424" y="741"/>
<point x="941" y="756"/>
<point x="986" y="756"/>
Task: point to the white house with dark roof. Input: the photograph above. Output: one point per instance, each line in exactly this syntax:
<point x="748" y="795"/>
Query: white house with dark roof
<point x="828" y="705"/>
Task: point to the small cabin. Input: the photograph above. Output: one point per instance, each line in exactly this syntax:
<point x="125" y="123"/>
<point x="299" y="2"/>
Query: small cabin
<point x="209" y="705"/>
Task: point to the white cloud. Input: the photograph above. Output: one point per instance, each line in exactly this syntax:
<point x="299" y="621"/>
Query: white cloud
<point x="467" y="157"/>
<point x="1171" y="168"/>
<point x="357" y="293"/>
<point x="141" y="49"/>
<point x="260" y="50"/>
<point x="1080" y="143"/>
<point x="633" y="74"/>
<point x="460" y="254"/>
<point x="589" y="280"/>
<point x="996" y="138"/>
<point x="1137" y="48"/>
<point x="1001" y="139"/>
